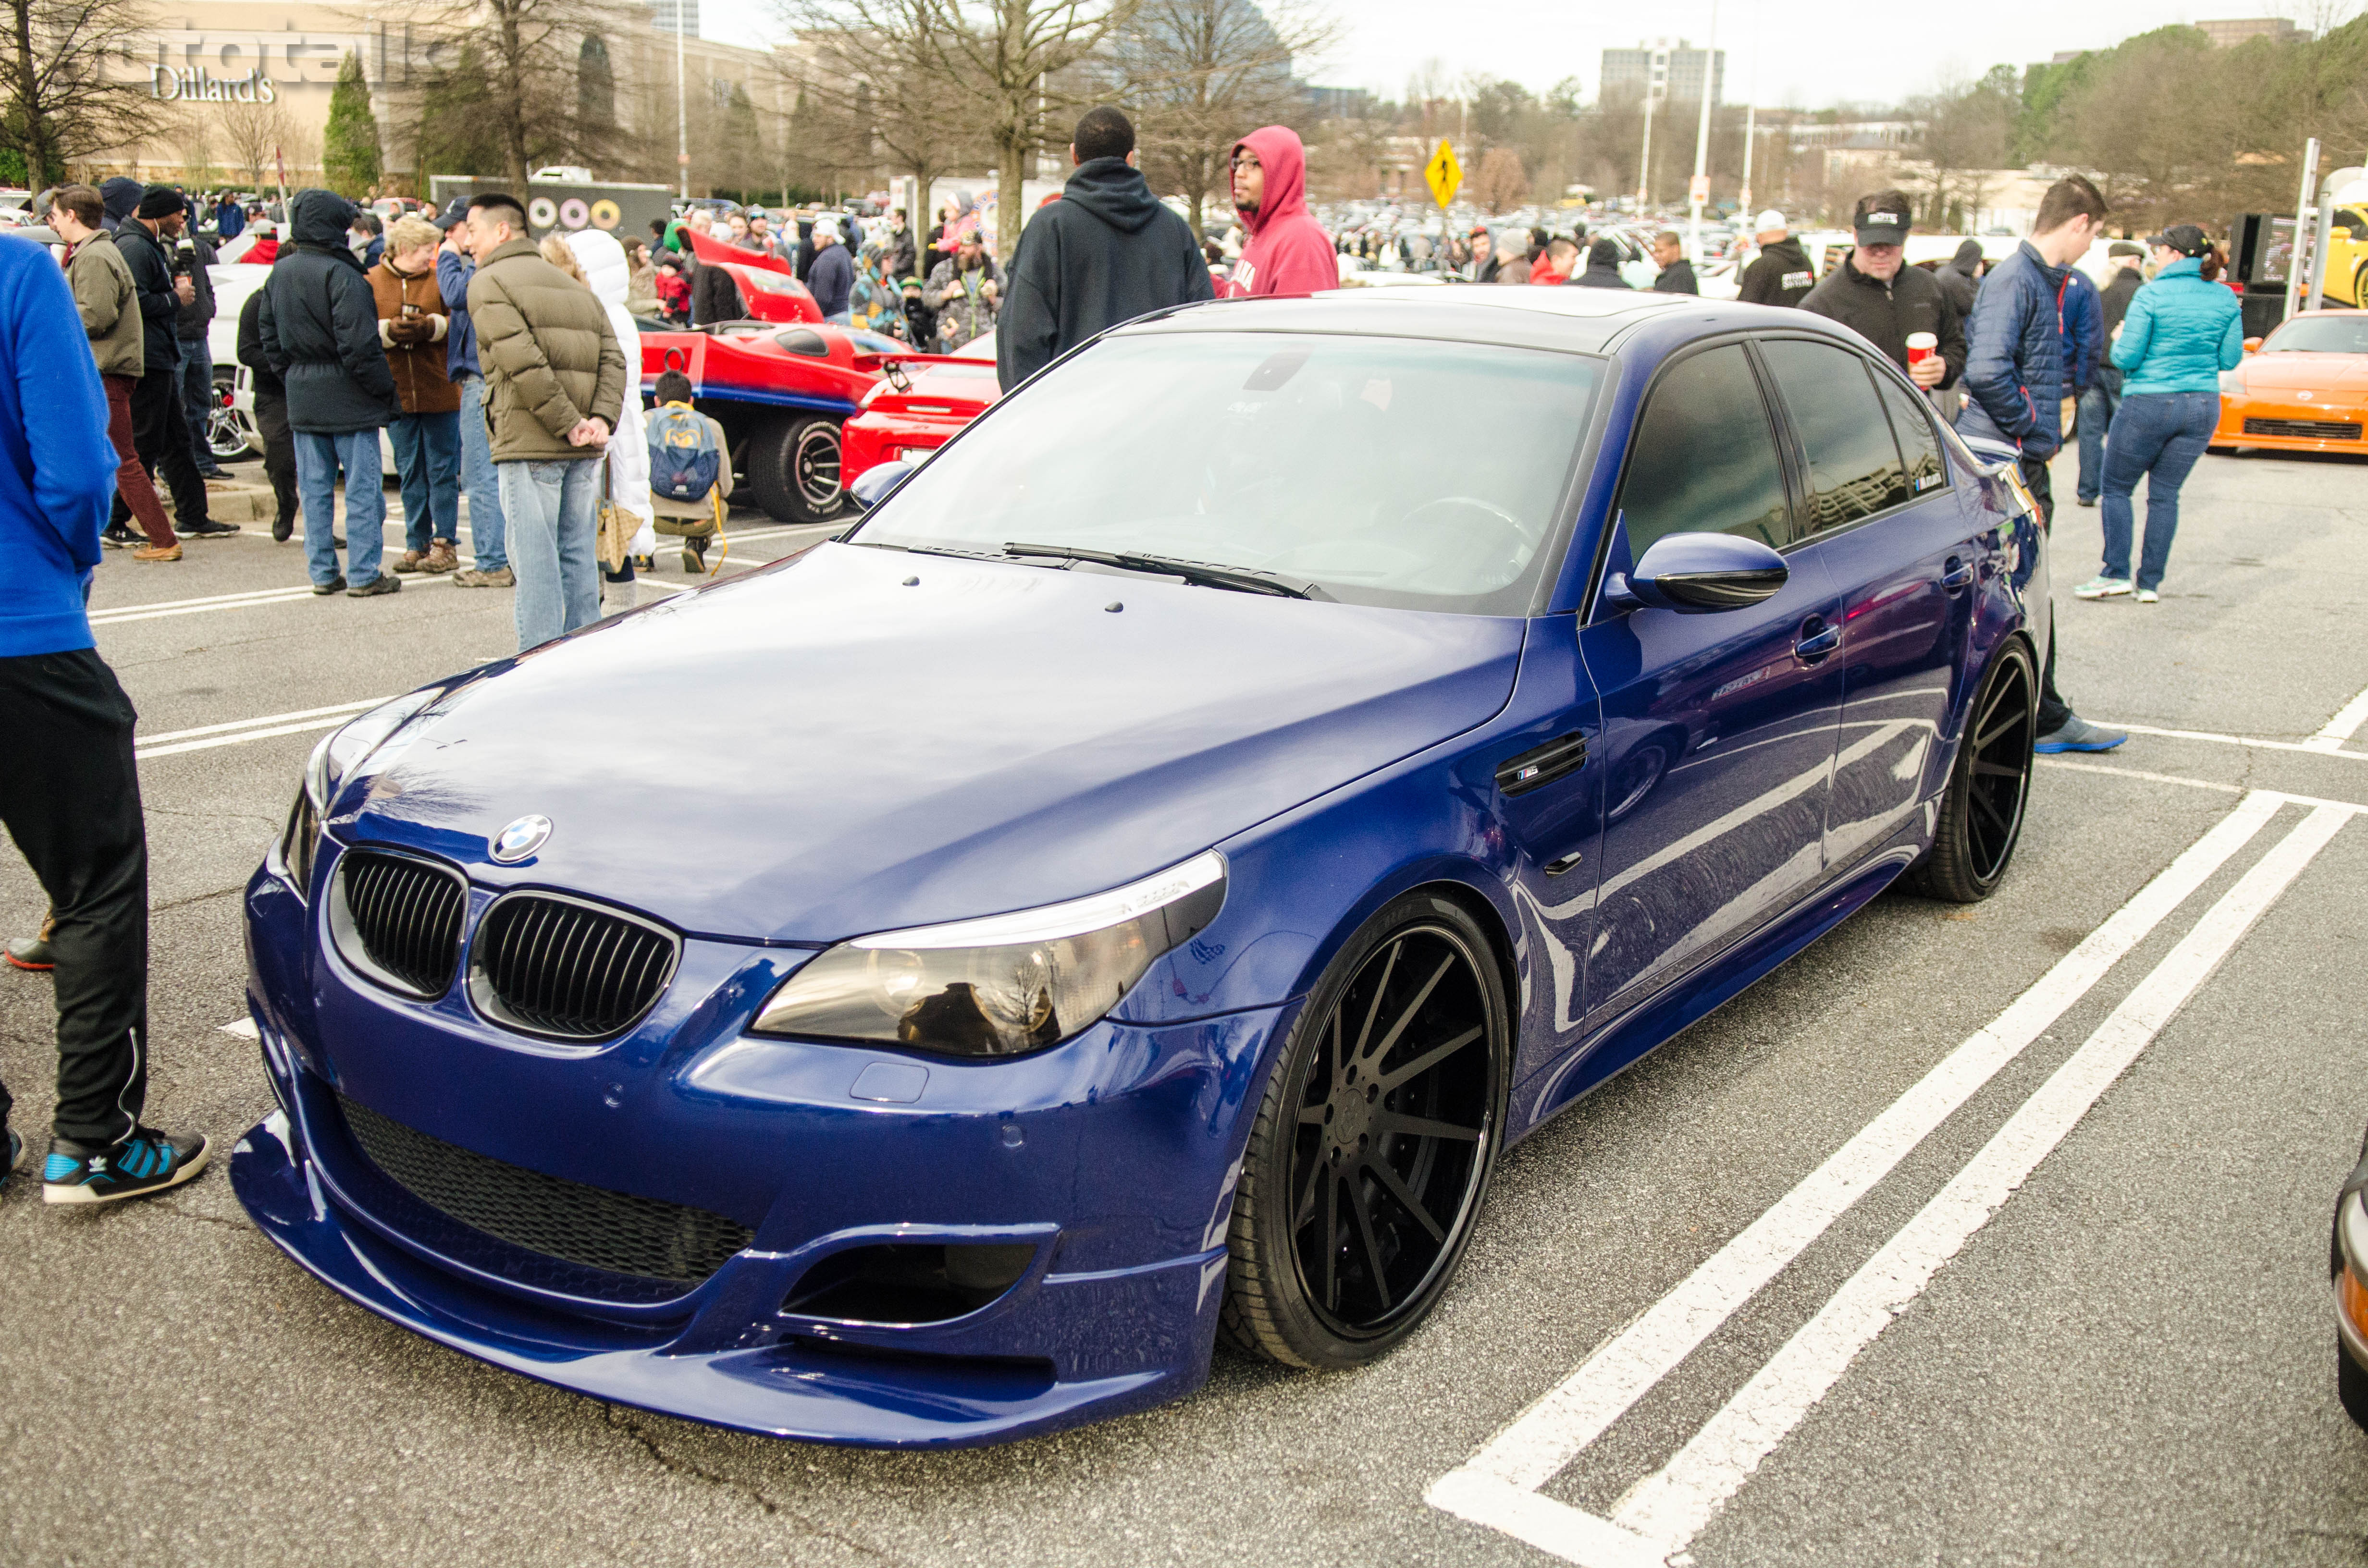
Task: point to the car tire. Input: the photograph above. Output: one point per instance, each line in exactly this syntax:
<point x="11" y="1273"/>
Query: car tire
<point x="2351" y="1386"/>
<point x="1989" y="784"/>
<point x="794" y="469"/>
<point x="1405" y="1036"/>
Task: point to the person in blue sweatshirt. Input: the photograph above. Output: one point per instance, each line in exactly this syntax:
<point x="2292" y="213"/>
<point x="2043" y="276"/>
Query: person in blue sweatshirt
<point x="68" y="792"/>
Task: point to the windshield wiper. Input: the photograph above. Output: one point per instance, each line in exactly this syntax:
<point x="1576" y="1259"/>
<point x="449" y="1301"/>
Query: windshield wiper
<point x="1241" y="579"/>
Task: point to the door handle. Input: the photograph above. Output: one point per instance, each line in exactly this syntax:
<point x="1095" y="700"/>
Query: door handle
<point x="1958" y="575"/>
<point x="1818" y="640"/>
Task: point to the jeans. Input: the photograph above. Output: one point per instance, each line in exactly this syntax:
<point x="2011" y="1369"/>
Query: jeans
<point x="2097" y="405"/>
<point x="70" y="798"/>
<point x="2160" y="436"/>
<point x="486" y="533"/>
<point x="553" y="513"/>
<point x="198" y="397"/>
<point x="427" y="465"/>
<point x="317" y="459"/>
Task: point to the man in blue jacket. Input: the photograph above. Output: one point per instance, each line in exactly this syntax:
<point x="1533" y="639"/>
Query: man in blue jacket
<point x="488" y="531"/>
<point x="68" y="792"/>
<point x="2013" y="383"/>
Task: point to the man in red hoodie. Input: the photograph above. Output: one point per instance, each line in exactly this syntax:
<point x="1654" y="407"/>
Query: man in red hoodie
<point x="1288" y="252"/>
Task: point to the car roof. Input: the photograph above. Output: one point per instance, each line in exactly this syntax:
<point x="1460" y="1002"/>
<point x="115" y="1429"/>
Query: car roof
<point x="1583" y="320"/>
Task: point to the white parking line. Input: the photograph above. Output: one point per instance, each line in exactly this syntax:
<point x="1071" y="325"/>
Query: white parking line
<point x="1675" y="1505"/>
<point x="2310" y="745"/>
<point x="2342" y="727"/>
<point x="238" y="731"/>
<point x="1499" y="1486"/>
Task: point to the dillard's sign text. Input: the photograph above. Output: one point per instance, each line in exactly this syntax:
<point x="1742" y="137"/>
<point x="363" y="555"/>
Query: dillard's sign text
<point x="194" y="83"/>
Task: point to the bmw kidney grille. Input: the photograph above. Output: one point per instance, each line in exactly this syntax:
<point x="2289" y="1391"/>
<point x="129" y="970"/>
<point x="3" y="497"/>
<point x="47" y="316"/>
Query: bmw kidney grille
<point x="398" y="920"/>
<point x="557" y="966"/>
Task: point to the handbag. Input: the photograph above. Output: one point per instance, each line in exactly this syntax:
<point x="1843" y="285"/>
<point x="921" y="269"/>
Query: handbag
<point x="617" y="527"/>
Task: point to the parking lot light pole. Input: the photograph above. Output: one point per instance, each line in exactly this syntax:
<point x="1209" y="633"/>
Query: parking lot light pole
<point x="1701" y="138"/>
<point x="681" y="108"/>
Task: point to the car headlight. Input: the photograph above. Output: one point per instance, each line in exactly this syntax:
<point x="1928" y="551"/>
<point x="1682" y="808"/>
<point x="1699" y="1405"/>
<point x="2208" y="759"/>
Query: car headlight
<point x="340" y="751"/>
<point x="1000" y="985"/>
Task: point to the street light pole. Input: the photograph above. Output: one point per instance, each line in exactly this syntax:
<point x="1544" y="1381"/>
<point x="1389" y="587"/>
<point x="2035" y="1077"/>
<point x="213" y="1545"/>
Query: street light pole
<point x="1750" y="113"/>
<point x="681" y="108"/>
<point x="1644" y="164"/>
<point x="1701" y="186"/>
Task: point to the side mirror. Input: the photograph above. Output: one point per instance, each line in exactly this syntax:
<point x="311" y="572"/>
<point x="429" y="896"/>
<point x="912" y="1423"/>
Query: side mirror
<point x="1699" y="573"/>
<point x="2252" y="346"/>
<point x="875" y="483"/>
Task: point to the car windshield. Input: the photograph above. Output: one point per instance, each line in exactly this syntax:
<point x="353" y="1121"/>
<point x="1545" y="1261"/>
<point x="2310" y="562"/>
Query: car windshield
<point x="2322" y="334"/>
<point x="1410" y="472"/>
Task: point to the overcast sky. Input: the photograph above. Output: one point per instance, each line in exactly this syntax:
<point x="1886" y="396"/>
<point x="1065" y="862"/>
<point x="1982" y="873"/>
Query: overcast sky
<point x="1804" y="52"/>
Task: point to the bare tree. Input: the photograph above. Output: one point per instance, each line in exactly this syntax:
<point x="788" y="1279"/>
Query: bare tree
<point x="522" y="68"/>
<point x="879" y="71"/>
<point x="1963" y="133"/>
<point x="1199" y="74"/>
<point x="253" y="135"/>
<point x="1501" y="181"/>
<point x="63" y="102"/>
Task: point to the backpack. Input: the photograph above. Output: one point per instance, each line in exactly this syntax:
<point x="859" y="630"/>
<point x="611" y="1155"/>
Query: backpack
<point x="685" y="461"/>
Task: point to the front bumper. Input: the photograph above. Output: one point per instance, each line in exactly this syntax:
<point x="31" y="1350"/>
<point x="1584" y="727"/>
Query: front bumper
<point x="1111" y="1157"/>
<point x="2351" y="1270"/>
<point x="2290" y="427"/>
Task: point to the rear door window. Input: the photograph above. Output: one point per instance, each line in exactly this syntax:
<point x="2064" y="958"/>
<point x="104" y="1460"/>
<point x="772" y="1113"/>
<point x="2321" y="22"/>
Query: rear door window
<point x="1911" y="421"/>
<point x="1704" y="457"/>
<point x="1854" y="467"/>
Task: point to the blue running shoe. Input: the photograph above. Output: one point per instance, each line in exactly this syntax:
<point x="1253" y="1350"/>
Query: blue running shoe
<point x="15" y="1158"/>
<point x="147" y="1162"/>
<point x="2078" y="734"/>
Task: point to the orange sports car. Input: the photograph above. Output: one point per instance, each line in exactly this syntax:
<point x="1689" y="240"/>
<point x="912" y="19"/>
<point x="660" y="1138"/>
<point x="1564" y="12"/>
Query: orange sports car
<point x="2302" y="389"/>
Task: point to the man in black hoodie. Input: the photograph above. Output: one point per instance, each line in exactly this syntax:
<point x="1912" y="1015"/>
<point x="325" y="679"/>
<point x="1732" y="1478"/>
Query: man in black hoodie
<point x="1961" y="279"/>
<point x="160" y="429"/>
<point x="1105" y="252"/>
<point x="1781" y="275"/>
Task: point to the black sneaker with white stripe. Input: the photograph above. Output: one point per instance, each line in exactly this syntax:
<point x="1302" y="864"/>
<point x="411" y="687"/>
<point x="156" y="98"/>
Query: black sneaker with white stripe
<point x="147" y="1162"/>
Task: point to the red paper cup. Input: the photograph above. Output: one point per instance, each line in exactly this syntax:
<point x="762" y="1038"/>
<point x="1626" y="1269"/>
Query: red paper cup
<point x="1921" y="345"/>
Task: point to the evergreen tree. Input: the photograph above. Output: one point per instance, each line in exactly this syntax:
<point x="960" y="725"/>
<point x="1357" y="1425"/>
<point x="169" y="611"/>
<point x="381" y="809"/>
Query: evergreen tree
<point x="349" y="157"/>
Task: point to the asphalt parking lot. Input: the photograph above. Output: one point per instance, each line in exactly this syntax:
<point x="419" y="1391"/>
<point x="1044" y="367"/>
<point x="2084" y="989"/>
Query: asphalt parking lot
<point x="1973" y="1235"/>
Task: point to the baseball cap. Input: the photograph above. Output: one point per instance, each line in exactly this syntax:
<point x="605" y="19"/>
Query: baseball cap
<point x="454" y="212"/>
<point x="2184" y="238"/>
<point x="1882" y="219"/>
<point x="2123" y="247"/>
<point x="1768" y="219"/>
<point x="825" y="225"/>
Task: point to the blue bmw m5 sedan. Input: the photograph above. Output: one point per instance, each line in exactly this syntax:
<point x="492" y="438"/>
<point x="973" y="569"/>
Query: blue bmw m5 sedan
<point x="1148" y="871"/>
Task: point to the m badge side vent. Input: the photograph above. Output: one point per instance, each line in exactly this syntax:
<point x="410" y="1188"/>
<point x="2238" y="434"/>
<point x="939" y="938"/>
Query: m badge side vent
<point x="1541" y="765"/>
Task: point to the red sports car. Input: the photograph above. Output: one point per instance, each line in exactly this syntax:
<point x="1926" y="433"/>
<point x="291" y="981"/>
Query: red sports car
<point x="768" y="287"/>
<point x="919" y="407"/>
<point x="781" y="392"/>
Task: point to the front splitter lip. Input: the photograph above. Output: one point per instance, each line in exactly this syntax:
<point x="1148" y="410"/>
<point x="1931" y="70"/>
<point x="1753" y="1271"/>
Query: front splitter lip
<point x="773" y="1391"/>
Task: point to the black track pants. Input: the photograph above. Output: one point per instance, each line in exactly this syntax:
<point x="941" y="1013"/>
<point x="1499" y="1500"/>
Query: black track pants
<point x="70" y="798"/>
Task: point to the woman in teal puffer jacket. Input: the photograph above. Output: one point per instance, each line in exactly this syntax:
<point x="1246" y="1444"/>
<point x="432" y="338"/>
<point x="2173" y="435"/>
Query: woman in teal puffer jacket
<point x="2182" y="329"/>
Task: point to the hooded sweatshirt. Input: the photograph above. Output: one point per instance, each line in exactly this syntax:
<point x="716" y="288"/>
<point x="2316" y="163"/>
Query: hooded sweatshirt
<point x="606" y="270"/>
<point x="57" y="470"/>
<point x="1106" y="252"/>
<point x="1288" y="253"/>
<point x="318" y="326"/>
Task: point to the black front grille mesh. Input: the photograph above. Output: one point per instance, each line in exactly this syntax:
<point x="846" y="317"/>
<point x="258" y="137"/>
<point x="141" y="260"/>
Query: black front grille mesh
<point x="407" y="915"/>
<point x="547" y="1214"/>
<point x="565" y="968"/>
<point x="2304" y="429"/>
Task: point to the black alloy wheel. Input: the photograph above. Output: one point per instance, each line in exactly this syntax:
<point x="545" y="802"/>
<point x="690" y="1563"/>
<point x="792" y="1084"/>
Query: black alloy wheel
<point x="793" y="470"/>
<point x="1981" y="815"/>
<point x="1373" y="1142"/>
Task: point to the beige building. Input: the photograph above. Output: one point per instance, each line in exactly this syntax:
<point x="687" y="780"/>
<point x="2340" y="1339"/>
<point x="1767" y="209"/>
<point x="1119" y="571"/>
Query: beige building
<point x="247" y="83"/>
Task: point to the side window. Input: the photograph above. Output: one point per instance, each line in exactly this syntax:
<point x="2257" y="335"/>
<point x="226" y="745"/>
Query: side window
<point x="1854" y="469"/>
<point x="1704" y="457"/>
<point x="1911" y="421"/>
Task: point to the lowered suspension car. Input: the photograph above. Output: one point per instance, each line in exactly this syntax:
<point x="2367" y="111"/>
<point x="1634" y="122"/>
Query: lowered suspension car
<point x="1150" y="870"/>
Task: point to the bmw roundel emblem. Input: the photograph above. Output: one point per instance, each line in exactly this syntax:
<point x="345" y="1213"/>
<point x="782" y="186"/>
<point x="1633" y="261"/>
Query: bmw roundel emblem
<point x="520" y="840"/>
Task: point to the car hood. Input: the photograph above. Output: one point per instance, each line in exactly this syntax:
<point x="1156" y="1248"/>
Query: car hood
<point x="827" y="747"/>
<point x="2344" y="374"/>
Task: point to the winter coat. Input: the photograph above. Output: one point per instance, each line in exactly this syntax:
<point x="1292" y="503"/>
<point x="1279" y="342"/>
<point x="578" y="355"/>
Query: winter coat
<point x="1779" y="275"/>
<point x="250" y="347"/>
<point x="1602" y="270"/>
<point x="609" y="275"/>
<point x="1106" y="252"/>
<point x="831" y="280"/>
<point x="964" y="311"/>
<point x="2084" y="332"/>
<point x="920" y="322"/>
<point x="1885" y="313"/>
<point x="453" y="274"/>
<point x="151" y="261"/>
<point x="1288" y="252"/>
<point x="551" y="357"/>
<point x="420" y="379"/>
<point x="229" y="221"/>
<point x="2180" y="332"/>
<point x="2014" y="358"/>
<point x="319" y="326"/>
<point x="1678" y="278"/>
<point x="192" y="319"/>
<point x="902" y="258"/>
<point x="108" y="303"/>
<point x="714" y="296"/>
<point x="1957" y="281"/>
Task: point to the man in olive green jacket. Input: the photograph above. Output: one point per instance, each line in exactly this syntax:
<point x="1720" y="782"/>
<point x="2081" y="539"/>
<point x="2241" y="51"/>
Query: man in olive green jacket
<point x="108" y="303"/>
<point x="555" y="384"/>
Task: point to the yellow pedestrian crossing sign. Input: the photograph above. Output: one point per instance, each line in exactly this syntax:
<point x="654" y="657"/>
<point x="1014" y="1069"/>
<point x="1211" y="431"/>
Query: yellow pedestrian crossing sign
<point x="1443" y="174"/>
